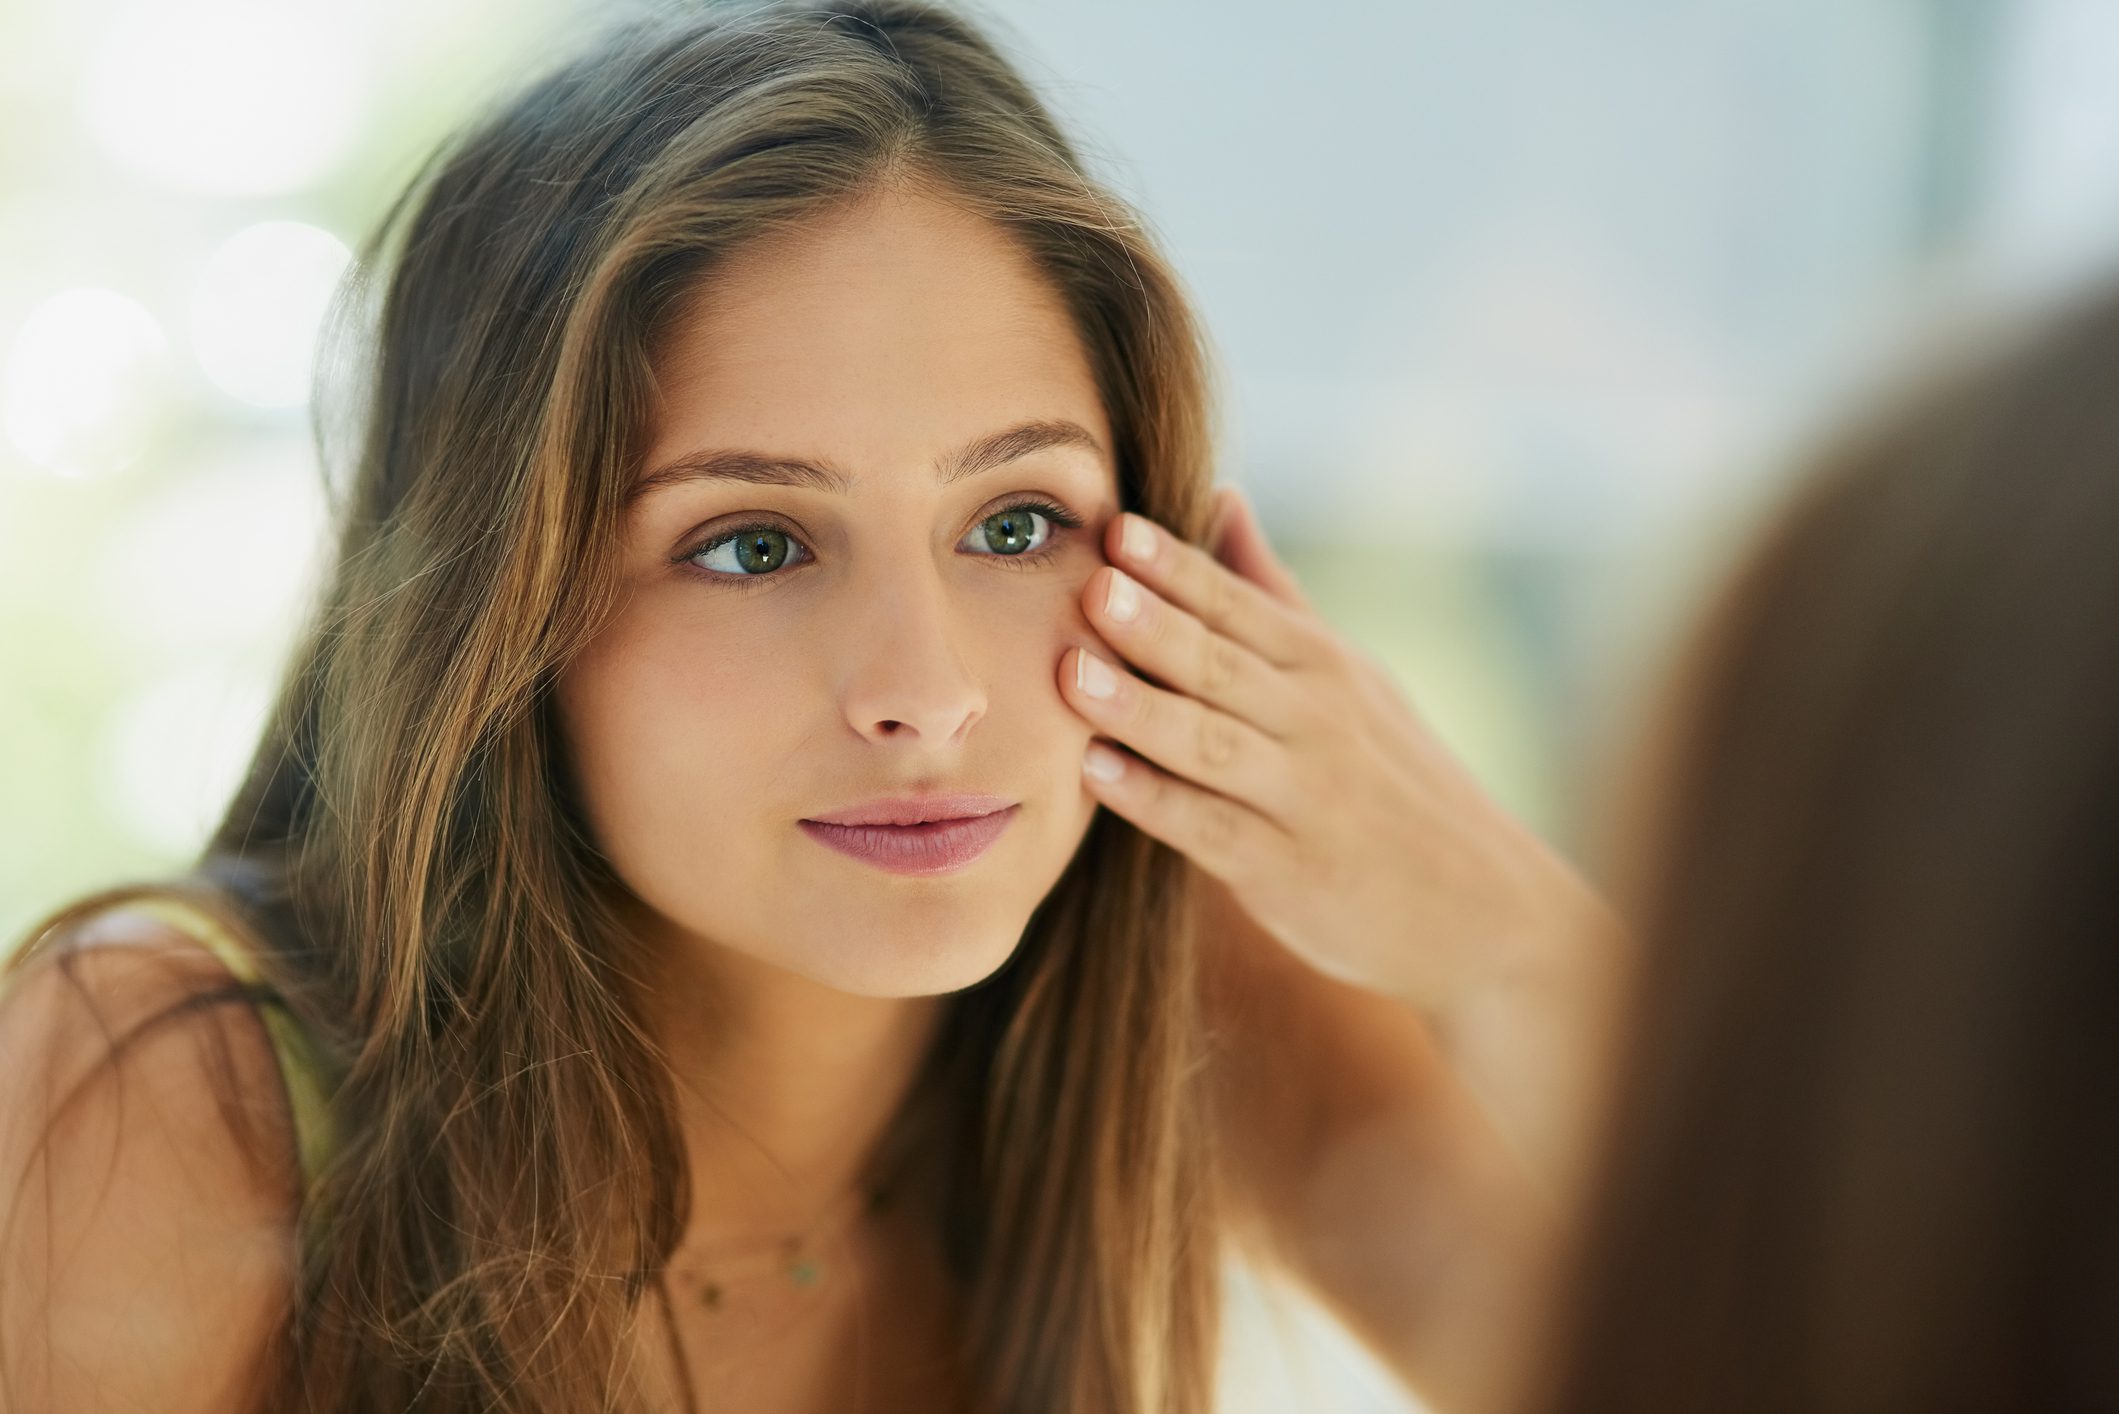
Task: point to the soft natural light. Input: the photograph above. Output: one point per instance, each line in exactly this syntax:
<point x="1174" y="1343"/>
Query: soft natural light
<point x="219" y="558"/>
<point x="236" y="96"/>
<point x="174" y="753"/>
<point x="86" y="381"/>
<point x="258" y="305"/>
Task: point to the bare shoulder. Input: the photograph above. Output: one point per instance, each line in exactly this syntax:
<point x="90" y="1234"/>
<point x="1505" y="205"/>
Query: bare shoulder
<point x="148" y="1191"/>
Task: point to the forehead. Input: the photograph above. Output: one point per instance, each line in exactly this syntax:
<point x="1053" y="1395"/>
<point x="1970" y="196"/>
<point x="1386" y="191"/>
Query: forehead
<point x="879" y="337"/>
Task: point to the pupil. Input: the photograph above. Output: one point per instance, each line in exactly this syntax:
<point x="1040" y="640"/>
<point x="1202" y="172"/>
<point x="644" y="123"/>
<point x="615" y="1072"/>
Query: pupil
<point x="1015" y="529"/>
<point x="766" y="550"/>
<point x="770" y="548"/>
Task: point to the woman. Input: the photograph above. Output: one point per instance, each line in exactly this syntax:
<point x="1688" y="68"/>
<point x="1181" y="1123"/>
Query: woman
<point x="756" y="402"/>
<point x="1864" y="1140"/>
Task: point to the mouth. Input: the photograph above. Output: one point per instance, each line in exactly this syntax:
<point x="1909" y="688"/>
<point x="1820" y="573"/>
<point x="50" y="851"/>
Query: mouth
<point x="927" y="847"/>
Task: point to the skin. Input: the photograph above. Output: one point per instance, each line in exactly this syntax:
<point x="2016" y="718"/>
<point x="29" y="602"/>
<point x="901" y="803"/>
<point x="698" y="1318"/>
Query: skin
<point x="1408" y="984"/>
<point x="1416" y="998"/>
<point x="893" y="651"/>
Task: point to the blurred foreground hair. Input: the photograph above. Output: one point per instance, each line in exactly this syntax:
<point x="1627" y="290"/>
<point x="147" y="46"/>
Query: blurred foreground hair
<point x="1864" y="1142"/>
<point x="407" y="854"/>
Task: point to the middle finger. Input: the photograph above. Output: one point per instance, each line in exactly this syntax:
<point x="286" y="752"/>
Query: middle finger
<point x="1175" y="647"/>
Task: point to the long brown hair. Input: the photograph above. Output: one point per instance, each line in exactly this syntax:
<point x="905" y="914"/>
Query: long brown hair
<point x="1864" y="1141"/>
<point x="406" y="849"/>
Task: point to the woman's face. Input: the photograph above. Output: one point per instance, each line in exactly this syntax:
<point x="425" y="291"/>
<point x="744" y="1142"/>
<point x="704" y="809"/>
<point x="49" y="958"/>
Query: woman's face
<point x="897" y="636"/>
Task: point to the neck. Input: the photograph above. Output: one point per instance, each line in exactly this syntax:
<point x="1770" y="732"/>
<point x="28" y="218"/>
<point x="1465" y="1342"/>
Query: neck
<point x="785" y="1088"/>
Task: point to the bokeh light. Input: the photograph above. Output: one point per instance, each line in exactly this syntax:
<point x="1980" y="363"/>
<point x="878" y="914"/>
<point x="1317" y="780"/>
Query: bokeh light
<point x="1518" y="307"/>
<point x="258" y="307"/>
<point x="220" y="558"/>
<point x="174" y="752"/>
<point x="87" y="382"/>
<point x="235" y="96"/>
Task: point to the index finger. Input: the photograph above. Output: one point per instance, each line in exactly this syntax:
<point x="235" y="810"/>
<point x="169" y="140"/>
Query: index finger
<point x="1213" y="593"/>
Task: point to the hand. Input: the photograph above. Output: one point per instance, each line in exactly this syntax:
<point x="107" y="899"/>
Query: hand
<point x="1287" y="765"/>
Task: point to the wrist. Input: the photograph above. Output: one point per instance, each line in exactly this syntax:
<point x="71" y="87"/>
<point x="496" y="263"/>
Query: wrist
<point x="1539" y="928"/>
<point x="1529" y="1036"/>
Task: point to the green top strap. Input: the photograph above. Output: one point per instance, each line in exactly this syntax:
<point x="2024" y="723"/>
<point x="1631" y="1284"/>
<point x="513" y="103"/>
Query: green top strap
<point x="302" y="1064"/>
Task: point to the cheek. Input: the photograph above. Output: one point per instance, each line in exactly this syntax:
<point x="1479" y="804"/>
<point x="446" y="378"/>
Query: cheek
<point x="695" y="761"/>
<point x="674" y="725"/>
<point x="668" y="740"/>
<point x="1023" y="650"/>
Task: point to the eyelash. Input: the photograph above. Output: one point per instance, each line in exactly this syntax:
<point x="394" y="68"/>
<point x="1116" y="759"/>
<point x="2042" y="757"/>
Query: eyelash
<point x="1029" y="559"/>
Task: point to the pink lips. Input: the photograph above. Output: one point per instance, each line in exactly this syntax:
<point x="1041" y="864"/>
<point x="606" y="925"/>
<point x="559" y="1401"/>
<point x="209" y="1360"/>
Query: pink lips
<point x="954" y="830"/>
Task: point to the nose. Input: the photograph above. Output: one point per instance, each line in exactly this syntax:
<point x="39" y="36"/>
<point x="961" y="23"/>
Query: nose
<point x="905" y="677"/>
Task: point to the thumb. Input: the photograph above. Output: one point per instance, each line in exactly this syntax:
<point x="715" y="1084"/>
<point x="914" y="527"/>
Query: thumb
<point x="1241" y="544"/>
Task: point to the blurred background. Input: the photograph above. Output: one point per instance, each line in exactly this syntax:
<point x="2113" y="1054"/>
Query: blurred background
<point x="1526" y="310"/>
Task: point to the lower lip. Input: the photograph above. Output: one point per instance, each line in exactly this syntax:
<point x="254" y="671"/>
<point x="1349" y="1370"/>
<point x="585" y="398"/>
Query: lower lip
<point x="937" y="847"/>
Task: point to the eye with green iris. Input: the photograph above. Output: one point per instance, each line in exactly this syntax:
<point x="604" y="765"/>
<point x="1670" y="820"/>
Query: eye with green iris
<point x="758" y="550"/>
<point x="750" y="554"/>
<point x="1010" y="532"/>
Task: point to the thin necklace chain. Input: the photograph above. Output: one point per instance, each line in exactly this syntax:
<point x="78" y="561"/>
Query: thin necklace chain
<point x="803" y="1270"/>
<point x="910" y="1130"/>
<point x="794" y="1255"/>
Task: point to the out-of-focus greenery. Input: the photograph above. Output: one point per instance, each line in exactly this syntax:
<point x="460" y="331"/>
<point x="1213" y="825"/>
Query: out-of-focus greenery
<point x="1521" y="307"/>
<point x="160" y="501"/>
<point x="1522" y="304"/>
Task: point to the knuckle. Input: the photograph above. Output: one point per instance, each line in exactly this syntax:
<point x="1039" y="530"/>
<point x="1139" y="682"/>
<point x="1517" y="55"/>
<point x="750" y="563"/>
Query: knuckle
<point x="1140" y="707"/>
<point x="1215" y="739"/>
<point x="1219" y="596"/>
<point x="1152" y="633"/>
<point x="1218" y="666"/>
<point x="1309" y="649"/>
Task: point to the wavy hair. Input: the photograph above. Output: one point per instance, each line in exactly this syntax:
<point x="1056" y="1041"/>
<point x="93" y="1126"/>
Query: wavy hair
<point x="407" y="850"/>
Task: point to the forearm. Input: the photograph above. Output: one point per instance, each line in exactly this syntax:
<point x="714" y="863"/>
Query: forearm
<point x="1411" y="1163"/>
<point x="1532" y="1042"/>
<point x="1372" y="1174"/>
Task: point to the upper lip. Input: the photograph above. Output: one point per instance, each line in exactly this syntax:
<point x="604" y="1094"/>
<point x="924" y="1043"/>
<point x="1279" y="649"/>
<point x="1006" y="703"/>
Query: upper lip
<point x="913" y="809"/>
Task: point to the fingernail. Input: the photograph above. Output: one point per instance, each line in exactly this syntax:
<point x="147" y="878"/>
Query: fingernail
<point x="1136" y="540"/>
<point x="1102" y="762"/>
<point x="1122" y="597"/>
<point x="1093" y="676"/>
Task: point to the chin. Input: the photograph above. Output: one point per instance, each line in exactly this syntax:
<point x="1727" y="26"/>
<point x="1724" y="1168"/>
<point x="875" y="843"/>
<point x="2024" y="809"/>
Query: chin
<point x="913" y="965"/>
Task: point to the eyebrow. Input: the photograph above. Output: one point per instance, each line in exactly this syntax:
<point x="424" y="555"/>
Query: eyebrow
<point x="758" y="469"/>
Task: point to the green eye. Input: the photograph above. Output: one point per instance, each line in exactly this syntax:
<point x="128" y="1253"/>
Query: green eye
<point x="1011" y="532"/>
<point x="760" y="551"/>
<point x="750" y="555"/>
